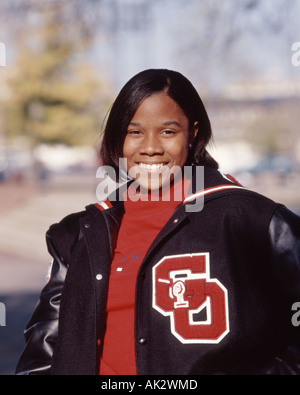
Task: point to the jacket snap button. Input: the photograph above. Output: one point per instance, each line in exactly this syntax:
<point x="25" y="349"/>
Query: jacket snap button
<point x="142" y="341"/>
<point x="175" y="221"/>
<point x="87" y="226"/>
<point x="99" y="277"/>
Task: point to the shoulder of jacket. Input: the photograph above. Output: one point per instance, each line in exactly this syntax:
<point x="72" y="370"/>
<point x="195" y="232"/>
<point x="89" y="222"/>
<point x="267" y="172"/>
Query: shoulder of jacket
<point x="211" y="183"/>
<point x="69" y="223"/>
<point x="64" y="234"/>
<point x="229" y="194"/>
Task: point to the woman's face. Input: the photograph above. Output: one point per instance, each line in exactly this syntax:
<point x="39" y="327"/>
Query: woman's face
<point x="157" y="140"/>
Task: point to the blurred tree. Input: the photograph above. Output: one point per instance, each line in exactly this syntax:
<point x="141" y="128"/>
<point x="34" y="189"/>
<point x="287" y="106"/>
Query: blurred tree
<point x="54" y="90"/>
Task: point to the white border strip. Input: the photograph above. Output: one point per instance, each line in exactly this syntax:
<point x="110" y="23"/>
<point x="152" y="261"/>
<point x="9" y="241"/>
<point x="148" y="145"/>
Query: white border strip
<point x="210" y="190"/>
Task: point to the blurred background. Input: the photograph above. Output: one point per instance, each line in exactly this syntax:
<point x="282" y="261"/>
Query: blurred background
<point x="62" y="63"/>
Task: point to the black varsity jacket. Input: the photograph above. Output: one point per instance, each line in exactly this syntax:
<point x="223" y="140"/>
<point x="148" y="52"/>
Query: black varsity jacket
<point x="214" y="293"/>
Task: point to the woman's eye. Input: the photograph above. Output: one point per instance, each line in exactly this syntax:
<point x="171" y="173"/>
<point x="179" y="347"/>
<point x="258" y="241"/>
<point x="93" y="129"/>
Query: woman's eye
<point x="168" y="132"/>
<point x="133" y="132"/>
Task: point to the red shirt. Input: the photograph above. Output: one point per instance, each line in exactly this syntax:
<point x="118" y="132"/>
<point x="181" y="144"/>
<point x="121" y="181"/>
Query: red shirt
<point x="141" y="223"/>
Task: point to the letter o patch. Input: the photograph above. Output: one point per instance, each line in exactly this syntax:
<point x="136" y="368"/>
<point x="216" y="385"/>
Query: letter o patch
<point x="183" y="290"/>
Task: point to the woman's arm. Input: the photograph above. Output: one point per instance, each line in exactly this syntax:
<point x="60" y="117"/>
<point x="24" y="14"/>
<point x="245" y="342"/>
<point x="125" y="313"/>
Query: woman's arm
<point x="284" y="236"/>
<point x="42" y="329"/>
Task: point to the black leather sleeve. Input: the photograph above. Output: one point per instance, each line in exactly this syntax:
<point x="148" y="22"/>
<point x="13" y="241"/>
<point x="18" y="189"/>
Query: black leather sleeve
<point x="42" y="329"/>
<point x="284" y="234"/>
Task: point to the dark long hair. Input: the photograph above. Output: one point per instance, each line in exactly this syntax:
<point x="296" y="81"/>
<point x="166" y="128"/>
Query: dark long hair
<point x="141" y="86"/>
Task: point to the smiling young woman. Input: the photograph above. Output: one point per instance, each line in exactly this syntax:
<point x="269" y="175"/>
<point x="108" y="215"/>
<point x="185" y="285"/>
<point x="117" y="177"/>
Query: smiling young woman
<point x="142" y="286"/>
<point x="175" y="90"/>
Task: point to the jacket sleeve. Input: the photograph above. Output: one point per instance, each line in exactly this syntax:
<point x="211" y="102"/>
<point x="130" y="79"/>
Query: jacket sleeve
<point x="284" y="234"/>
<point x="42" y="329"/>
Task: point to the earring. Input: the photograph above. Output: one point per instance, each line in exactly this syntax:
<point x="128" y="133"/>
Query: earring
<point x="190" y="145"/>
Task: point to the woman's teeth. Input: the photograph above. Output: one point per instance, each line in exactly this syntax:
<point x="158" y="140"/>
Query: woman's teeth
<point x="155" y="166"/>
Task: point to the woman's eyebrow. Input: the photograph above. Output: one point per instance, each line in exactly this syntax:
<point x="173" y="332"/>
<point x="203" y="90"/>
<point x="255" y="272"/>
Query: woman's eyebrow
<point x="170" y="123"/>
<point x="167" y="123"/>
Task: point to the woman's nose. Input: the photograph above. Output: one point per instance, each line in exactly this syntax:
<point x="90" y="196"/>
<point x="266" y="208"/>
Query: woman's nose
<point x="151" y="145"/>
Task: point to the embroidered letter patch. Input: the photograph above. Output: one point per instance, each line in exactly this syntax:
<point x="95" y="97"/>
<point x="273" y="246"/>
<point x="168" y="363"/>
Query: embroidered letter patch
<point x="196" y="304"/>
